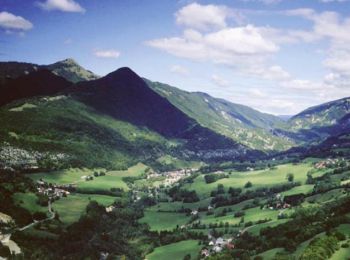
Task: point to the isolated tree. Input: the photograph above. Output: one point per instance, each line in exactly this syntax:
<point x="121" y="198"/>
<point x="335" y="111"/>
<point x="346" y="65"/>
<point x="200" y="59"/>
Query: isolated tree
<point x="290" y="177"/>
<point x="248" y="185"/>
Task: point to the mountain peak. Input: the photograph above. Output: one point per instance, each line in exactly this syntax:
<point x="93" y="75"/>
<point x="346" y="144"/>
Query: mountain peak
<point x="68" y="61"/>
<point x="71" y="70"/>
<point x="124" y="72"/>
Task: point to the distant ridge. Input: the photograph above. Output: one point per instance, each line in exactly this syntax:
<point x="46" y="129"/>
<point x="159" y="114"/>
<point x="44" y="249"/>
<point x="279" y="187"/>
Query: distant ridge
<point x="38" y="83"/>
<point x="67" y="68"/>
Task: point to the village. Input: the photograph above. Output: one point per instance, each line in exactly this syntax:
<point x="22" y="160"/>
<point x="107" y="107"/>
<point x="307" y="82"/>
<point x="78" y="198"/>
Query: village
<point x="172" y="177"/>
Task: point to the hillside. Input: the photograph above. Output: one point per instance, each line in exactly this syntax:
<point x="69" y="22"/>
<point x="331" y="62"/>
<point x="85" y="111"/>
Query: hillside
<point x="240" y="123"/>
<point x="326" y="114"/>
<point x="68" y="69"/>
<point x="125" y="96"/>
<point x="71" y="71"/>
<point x="111" y="122"/>
<point x="38" y="83"/>
<point x="58" y="132"/>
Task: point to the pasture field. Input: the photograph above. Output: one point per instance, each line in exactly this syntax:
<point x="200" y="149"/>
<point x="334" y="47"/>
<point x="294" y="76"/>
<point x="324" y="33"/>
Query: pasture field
<point x="28" y="201"/>
<point x="72" y="207"/>
<point x="177" y="205"/>
<point x="253" y="214"/>
<point x="341" y="254"/>
<point x="305" y="189"/>
<point x="163" y="220"/>
<point x="270" y="254"/>
<point x="112" y="179"/>
<point x="176" y="251"/>
<point x="259" y="178"/>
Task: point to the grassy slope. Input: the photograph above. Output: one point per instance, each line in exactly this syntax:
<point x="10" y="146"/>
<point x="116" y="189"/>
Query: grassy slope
<point x="62" y="124"/>
<point x="72" y="207"/>
<point x="320" y="116"/>
<point x="163" y="220"/>
<point x="241" y="123"/>
<point x="260" y="178"/>
<point x="112" y="179"/>
<point x="176" y="251"/>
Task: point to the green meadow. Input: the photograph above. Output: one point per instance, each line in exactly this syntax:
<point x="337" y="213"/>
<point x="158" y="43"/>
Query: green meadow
<point x="112" y="179"/>
<point x="28" y="201"/>
<point x="259" y="178"/>
<point x="176" y="251"/>
<point x="163" y="220"/>
<point x="72" y="207"/>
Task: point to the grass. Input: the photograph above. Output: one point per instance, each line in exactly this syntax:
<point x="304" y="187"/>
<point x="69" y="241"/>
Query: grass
<point x="28" y="201"/>
<point x="176" y="251"/>
<point x="305" y="189"/>
<point x="259" y="178"/>
<point x="253" y="214"/>
<point x="72" y="207"/>
<point x="112" y="179"/>
<point x="270" y="253"/>
<point x="341" y="254"/>
<point x="177" y="205"/>
<point x="86" y="137"/>
<point x="163" y="220"/>
<point x="303" y="246"/>
<point x="178" y="163"/>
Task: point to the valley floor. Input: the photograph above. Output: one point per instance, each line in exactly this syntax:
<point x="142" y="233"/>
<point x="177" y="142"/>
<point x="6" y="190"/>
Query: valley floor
<point x="207" y="215"/>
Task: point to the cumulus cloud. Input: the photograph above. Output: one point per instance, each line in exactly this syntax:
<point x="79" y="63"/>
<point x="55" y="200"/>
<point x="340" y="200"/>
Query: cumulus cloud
<point x="179" y="70"/>
<point x="202" y="17"/>
<point x="267" y="2"/>
<point x="11" y="22"/>
<point x="227" y="46"/>
<point x="219" y="81"/>
<point x="61" y="5"/>
<point x="111" y="54"/>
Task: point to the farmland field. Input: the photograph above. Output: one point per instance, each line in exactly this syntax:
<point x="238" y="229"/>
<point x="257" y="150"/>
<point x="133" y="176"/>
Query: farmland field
<point x="259" y="178"/>
<point x="72" y="207"/>
<point x="164" y="220"/>
<point x="176" y="251"/>
<point x="112" y="179"/>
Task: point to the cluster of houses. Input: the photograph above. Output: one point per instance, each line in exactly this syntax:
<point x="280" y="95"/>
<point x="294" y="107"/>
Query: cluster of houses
<point x="216" y="245"/>
<point x="172" y="177"/>
<point x="12" y="158"/>
<point x="277" y="203"/>
<point x="54" y="191"/>
<point x="328" y="163"/>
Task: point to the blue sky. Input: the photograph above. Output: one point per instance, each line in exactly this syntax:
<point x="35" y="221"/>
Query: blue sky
<point x="278" y="56"/>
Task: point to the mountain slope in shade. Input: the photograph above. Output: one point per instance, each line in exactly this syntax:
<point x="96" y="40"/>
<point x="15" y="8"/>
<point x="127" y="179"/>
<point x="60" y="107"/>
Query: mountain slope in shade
<point x="238" y="122"/>
<point x="38" y="83"/>
<point x="125" y="96"/>
<point x="60" y="132"/>
<point x="68" y="69"/>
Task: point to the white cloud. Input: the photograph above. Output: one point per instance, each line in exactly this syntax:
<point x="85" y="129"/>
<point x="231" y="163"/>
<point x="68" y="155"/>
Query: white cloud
<point x="61" y="5"/>
<point x="10" y="22"/>
<point x="112" y="54"/>
<point x="202" y="17"/>
<point x="179" y="70"/>
<point x="219" y="81"/>
<point x="256" y="93"/>
<point x="275" y="73"/>
<point x="267" y="2"/>
<point x="226" y="46"/>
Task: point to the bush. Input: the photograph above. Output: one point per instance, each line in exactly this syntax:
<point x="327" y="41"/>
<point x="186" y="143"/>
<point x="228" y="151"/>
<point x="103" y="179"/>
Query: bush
<point x="248" y="185"/>
<point x="239" y="214"/>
